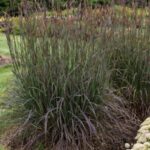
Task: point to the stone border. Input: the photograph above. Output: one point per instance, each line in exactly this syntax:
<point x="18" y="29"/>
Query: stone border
<point x="142" y="138"/>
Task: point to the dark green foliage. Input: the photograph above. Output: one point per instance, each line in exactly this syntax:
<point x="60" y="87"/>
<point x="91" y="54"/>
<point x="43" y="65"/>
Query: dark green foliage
<point x="10" y="6"/>
<point x="4" y="4"/>
<point x="100" y="2"/>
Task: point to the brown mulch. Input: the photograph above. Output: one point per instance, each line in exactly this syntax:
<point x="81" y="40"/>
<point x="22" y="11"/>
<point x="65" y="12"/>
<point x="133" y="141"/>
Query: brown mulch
<point x="4" y="60"/>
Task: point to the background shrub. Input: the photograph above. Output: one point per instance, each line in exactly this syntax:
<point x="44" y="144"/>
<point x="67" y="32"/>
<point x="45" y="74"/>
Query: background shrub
<point x="4" y="4"/>
<point x="102" y="2"/>
<point x="12" y="6"/>
<point x="9" y="6"/>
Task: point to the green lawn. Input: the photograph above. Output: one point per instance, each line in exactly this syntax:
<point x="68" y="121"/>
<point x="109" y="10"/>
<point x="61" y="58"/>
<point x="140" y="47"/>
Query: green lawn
<point x="5" y="78"/>
<point x="5" y="75"/>
<point x="2" y="148"/>
<point x="5" y="114"/>
<point x="3" y="45"/>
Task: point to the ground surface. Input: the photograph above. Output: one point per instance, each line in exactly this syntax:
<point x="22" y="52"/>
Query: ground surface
<point x="4" y="51"/>
<point x="5" y="78"/>
<point x="5" y="61"/>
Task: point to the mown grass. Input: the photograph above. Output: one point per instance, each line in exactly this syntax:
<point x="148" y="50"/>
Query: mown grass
<point x="5" y="71"/>
<point x="4" y="50"/>
<point x="5" y="113"/>
<point x="5" y="76"/>
<point x="5" y="79"/>
<point x="2" y="148"/>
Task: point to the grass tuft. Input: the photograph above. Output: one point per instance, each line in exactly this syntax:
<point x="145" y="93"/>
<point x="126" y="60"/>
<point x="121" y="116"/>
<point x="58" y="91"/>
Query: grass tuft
<point x="78" y="78"/>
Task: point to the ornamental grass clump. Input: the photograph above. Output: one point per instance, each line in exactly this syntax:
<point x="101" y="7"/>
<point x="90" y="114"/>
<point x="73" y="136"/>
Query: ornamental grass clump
<point x="64" y="81"/>
<point x="130" y="61"/>
<point x="60" y="82"/>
